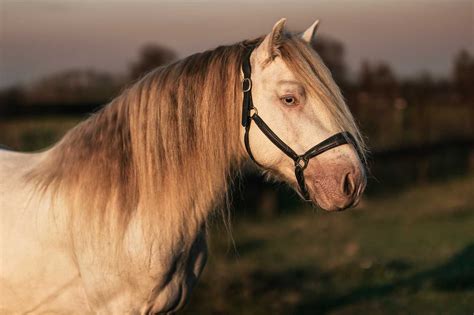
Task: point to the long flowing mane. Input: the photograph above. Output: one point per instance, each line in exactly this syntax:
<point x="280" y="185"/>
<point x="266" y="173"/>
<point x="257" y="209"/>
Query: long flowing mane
<point x="166" y="147"/>
<point x="168" y="142"/>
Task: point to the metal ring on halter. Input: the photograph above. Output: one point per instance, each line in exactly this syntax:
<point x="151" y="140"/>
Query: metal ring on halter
<point x="300" y="160"/>
<point x="249" y="85"/>
<point x="253" y="111"/>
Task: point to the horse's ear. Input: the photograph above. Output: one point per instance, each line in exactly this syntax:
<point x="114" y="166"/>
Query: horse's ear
<point x="309" y="35"/>
<point x="268" y="49"/>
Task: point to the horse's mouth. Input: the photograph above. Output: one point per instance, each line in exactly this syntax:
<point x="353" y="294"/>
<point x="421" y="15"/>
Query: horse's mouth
<point x="333" y="200"/>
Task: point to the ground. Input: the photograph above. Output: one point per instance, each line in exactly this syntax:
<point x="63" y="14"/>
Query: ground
<point x="410" y="252"/>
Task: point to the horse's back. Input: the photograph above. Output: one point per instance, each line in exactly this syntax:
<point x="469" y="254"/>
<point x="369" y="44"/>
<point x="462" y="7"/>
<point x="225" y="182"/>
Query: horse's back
<point x="13" y="185"/>
<point x="36" y="273"/>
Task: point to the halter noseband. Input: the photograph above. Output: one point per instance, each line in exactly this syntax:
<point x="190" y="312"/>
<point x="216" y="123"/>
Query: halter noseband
<point x="249" y="113"/>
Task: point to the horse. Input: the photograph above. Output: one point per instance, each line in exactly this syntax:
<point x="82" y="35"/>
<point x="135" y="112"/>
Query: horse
<point x="112" y="218"/>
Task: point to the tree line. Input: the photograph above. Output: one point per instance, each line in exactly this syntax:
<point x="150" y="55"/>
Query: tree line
<point x="390" y="110"/>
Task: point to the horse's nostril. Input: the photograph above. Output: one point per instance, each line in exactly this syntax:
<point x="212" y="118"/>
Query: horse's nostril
<point x="348" y="187"/>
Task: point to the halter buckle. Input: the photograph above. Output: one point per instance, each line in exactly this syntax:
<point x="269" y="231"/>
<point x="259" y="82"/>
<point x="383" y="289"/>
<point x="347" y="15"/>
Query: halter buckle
<point x="301" y="162"/>
<point x="246" y="85"/>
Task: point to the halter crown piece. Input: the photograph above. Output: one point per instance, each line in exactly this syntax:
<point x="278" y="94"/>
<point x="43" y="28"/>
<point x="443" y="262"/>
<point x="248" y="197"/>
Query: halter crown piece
<point x="250" y="113"/>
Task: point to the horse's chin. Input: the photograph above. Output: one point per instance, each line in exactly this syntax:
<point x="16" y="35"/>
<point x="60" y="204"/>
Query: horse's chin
<point x="331" y="207"/>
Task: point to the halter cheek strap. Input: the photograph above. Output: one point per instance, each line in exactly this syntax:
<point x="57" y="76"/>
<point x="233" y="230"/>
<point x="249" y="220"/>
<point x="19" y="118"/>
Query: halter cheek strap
<point x="250" y="113"/>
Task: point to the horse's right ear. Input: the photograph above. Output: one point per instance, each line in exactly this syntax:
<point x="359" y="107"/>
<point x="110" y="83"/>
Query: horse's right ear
<point x="268" y="49"/>
<point x="309" y="35"/>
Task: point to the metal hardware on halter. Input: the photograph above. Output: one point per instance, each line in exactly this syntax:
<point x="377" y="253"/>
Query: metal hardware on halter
<point x="301" y="159"/>
<point x="253" y="111"/>
<point x="250" y="113"/>
<point x="249" y="84"/>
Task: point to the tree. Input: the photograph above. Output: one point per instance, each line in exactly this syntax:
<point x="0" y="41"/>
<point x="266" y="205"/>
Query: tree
<point x="464" y="73"/>
<point x="378" y="80"/>
<point x="150" y="57"/>
<point x="73" y="87"/>
<point x="10" y="98"/>
<point x="332" y="52"/>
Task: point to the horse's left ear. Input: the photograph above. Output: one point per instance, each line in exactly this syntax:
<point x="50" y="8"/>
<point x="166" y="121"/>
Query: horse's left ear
<point x="309" y="35"/>
<point x="268" y="49"/>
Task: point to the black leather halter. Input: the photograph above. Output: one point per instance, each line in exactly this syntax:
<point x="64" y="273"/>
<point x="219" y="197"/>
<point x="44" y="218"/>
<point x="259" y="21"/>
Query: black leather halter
<point x="249" y="113"/>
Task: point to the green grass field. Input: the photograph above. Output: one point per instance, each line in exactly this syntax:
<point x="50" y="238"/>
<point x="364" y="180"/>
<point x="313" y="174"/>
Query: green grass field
<point x="406" y="253"/>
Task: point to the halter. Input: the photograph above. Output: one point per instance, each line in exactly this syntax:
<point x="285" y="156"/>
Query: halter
<point x="249" y="113"/>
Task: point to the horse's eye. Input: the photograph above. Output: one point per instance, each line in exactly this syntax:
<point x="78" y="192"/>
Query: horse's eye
<point x="289" y="100"/>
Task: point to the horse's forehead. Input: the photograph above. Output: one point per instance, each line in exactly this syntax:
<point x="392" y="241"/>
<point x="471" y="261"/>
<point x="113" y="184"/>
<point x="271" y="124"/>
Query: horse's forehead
<point x="275" y="71"/>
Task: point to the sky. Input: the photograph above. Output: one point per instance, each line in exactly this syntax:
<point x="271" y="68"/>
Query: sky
<point x="40" y="37"/>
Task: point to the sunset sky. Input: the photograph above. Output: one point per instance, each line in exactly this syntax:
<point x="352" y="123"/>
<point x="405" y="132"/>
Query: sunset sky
<point x="39" y="37"/>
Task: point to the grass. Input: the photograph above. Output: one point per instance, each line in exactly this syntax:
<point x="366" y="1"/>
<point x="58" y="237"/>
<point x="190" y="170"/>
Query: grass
<point x="32" y="134"/>
<point x="412" y="252"/>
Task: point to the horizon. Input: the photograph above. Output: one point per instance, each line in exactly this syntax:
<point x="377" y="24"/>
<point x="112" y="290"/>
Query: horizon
<point x="412" y="37"/>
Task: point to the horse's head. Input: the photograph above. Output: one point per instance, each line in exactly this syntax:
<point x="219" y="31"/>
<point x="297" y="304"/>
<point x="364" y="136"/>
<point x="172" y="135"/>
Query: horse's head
<point x="295" y="97"/>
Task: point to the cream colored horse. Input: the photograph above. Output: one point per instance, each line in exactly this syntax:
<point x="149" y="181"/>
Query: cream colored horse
<point x="112" y="219"/>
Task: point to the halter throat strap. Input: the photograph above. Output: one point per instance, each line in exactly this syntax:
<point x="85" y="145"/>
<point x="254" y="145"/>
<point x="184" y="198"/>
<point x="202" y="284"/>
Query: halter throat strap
<point x="250" y="113"/>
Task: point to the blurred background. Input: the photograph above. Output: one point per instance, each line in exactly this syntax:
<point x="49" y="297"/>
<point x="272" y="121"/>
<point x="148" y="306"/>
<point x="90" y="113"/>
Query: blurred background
<point x="406" y="69"/>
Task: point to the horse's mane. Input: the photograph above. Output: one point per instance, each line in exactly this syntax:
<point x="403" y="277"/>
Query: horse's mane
<point x="167" y="145"/>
